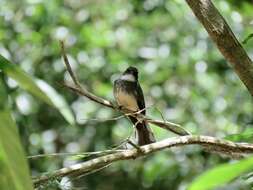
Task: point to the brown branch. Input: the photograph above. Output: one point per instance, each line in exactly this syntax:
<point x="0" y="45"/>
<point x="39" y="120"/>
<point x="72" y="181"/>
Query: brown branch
<point x="64" y="154"/>
<point x="175" y="128"/>
<point x="90" y="96"/>
<point x="67" y="64"/>
<point x="223" y="37"/>
<point x="221" y="146"/>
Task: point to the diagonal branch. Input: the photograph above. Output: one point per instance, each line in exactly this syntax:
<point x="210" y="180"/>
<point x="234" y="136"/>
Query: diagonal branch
<point x="225" y="40"/>
<point x="67" y="64"/>
<point x="92" y="97"/>
<point x="221" y="146"/>
<point x="175" y="128"/>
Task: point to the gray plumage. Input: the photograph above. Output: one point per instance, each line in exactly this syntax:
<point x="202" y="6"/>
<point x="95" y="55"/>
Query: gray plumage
<point x="128" y="94"/>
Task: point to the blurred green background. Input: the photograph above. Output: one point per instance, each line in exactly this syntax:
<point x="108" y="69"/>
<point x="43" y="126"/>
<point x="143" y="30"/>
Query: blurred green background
<point x="182" y="74"/>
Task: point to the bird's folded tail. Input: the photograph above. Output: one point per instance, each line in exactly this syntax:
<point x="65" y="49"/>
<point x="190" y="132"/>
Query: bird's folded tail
<point x="144" y="132"/>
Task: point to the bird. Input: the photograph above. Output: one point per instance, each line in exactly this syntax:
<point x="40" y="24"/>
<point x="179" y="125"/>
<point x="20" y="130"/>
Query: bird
<point x="129" y="95"/>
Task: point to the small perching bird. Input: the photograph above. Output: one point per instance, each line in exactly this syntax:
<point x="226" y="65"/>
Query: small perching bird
<point x="129" y="95"/>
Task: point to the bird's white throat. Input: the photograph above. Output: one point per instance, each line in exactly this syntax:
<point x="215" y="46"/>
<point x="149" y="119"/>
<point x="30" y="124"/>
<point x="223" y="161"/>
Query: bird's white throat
<point x="128" y="77"/>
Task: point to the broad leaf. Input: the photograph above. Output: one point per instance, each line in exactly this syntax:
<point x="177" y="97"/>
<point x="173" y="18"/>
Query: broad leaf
<point x="221" y="174"/>
<point x="58" y="100"/>
<point x="245" y="136"/>
<point x="14" y="173"/>
<point x="38" y="88"/>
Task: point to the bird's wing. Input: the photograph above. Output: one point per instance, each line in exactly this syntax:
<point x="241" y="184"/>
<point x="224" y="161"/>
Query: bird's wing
<point x="140" y="98"/>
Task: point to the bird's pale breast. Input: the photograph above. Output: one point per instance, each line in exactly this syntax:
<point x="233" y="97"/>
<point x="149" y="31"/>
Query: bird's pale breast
<point x="126" y="100"/>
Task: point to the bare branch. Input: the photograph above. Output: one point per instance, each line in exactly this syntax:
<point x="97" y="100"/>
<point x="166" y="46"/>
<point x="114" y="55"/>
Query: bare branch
<point x="96" y="153"/>
<point x="175" y="128"/>
<point x="222" y="146"/>
<point x="223" y="37"/>
<point x="67" y="64"/>
<point x="90" y="96"/>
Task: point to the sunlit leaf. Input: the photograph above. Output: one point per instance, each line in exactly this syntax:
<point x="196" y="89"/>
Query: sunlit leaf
<point x="58" y="100"/>
<point x="14" y="173"/>
<point x="221" y="174"/>
<point x="38" y="88"/>
<point x="245" y="41"/>
<point x="245" y="136"/>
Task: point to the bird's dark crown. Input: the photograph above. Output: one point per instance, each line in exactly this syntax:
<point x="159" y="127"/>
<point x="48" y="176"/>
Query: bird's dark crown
<point x="132" y="70"/>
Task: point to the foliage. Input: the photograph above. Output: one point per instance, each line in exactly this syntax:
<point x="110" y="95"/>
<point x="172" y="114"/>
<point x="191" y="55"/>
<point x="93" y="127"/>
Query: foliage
<point x="13" y="165"/>
<point x="248" y="38"/>
<point x="222" y="174"/>
<point x="181" y="72"/>
<point x="36" y="87"/>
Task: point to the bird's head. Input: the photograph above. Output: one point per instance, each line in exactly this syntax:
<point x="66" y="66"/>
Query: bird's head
<point x="130" y="74"/>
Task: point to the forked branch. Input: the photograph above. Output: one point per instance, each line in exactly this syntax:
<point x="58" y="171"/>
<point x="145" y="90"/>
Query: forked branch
<point x="222" y="146"/>
<point x="77" y="88"/>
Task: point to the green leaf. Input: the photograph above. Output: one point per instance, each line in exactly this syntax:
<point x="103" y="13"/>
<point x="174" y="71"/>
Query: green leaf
<point x="38" y="88"/>
<point x="14" y="173"/>
<point x="58" y="100"/>
<point x="245" y="136"/>
<point x="3" y="94"/>
<point x="221" y="174"/>
<point x="247" y="38"/>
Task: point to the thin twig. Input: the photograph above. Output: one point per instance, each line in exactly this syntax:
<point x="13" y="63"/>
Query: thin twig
<point x="175" y="128"/>
<point x="67" y="64"/>
<point x="124" y="142"/>
<point x="97" y="153"/>
<point x="135" y="146"/>
<point x="86" y="174"/>
<point x="91" y="96"/>
<point x="164" y="120"/>
<point x="115" y="118"/>
<point x="93" y="171"/>
<point x="81" y="91"/>
<point x="104" y="119"/>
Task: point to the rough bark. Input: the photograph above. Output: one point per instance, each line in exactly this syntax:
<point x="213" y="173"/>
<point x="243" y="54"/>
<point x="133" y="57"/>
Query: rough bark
<point x="218" y="145"/>
<point x="223" y="37"/>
